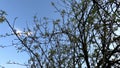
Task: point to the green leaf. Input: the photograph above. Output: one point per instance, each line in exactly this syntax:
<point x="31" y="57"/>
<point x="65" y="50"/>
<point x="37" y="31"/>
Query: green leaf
<point x="2" y="19"/>
<point x="118" y="20"/>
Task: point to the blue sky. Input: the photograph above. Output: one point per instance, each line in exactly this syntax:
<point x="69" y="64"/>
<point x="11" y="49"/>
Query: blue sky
<point x="24" y="10"/>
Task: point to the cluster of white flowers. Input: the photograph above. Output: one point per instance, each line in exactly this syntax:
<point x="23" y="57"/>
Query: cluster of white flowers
<point x="20" y="33"/>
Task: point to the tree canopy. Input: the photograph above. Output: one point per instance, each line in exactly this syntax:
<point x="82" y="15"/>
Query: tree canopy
<point x="82" y="36"/>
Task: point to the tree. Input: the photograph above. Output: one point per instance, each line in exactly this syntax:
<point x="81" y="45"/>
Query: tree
<point x="84" y="36"/>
